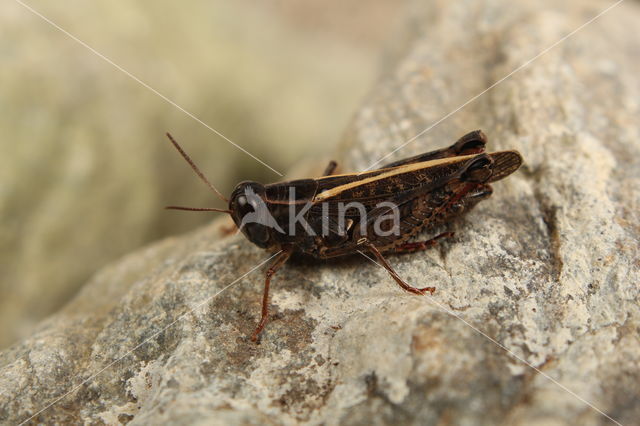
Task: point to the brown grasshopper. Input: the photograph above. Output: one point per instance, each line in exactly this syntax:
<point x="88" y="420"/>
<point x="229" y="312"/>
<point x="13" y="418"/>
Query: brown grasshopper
<point x="376" y="211"/>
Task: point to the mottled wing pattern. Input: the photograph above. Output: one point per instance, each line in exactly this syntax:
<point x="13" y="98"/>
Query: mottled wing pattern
<point x="425" y="194"/>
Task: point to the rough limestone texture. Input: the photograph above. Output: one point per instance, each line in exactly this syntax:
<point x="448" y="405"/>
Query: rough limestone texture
<point x="547" y="269"/>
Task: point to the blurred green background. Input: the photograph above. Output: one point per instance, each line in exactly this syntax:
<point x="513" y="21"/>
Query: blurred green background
<point x="85" y="169"/>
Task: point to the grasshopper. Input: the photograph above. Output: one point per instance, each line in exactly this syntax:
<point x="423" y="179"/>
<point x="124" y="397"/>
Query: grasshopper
<point x="375" y="211"/>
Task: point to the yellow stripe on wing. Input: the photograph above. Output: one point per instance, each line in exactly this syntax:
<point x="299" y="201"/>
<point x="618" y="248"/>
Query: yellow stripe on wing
<point x="394" y="171"/>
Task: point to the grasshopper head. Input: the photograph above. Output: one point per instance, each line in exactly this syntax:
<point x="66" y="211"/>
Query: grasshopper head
<point x="251" y="214"/>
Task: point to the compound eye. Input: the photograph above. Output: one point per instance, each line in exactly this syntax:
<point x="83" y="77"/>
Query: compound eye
<point x="245" y="204"/>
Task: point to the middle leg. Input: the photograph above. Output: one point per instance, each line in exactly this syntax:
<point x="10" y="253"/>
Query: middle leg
<point x="421" y="245"/>
<point x="406" y="287"/>
<point x="331" y="167"/>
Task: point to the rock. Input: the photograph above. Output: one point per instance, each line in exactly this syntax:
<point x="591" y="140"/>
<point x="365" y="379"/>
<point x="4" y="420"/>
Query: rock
<point x="536" y="317"/>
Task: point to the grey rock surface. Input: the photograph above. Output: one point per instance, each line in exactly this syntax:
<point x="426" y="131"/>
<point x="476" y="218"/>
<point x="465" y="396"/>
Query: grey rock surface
<point x="547" y="269"/>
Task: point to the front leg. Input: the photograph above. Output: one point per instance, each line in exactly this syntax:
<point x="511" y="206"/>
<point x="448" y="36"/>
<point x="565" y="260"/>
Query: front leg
<point x="280" y="260"/>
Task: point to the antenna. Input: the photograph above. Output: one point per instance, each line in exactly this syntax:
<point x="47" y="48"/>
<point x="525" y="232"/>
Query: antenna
<point x="198" y="209"/>
<point x="198" y="172"/>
